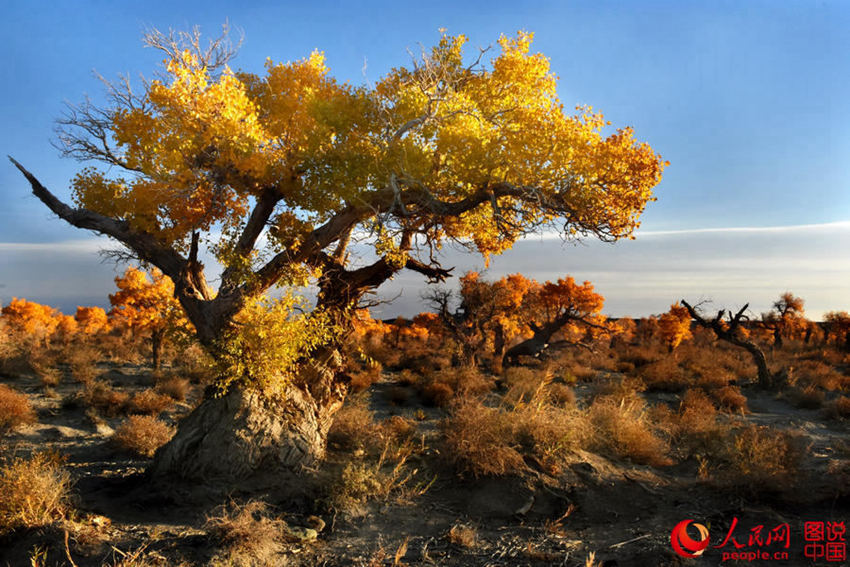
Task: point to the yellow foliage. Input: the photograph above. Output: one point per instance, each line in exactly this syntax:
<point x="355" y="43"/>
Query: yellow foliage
<point x="675" y="325"/>
<point x="269" y="339"/>
<point x="91" y="320"/>
<point x="31" y="318"/>
<point x="202" y="146"/>
<point x="146" y="302"/>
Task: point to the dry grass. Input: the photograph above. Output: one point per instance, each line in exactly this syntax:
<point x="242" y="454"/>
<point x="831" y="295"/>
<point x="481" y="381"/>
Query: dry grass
<point x="486" y="441"/>
<point x="142" y="435"/>
<point x="173" y="386"/>
<point x="839" y="408"/>
<point x="730" y="398"/>
<point x="479" y="440"/>
<point x="83" y="362"/>
<point x="248" y="535"/>
<point x="36" y="492"/>
<point x="354" y="426"/>
<point x="149" y="402"/>
<point x="463" y="536"/>
<point x="665" y="375"/>
<point x="443" y="386"/>
<point x="809" y="397"/>
<point x="15" y="410"/>
<point x="622" y="427"/>
<point x="758" y="459"/>
<point x="102" y="397"/>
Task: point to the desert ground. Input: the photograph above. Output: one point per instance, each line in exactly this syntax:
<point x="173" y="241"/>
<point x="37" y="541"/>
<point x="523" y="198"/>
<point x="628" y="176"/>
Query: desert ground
<point x="580" y="456"/>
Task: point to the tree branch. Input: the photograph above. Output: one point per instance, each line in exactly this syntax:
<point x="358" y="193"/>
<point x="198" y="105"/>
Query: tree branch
<point x="145" y="245"/>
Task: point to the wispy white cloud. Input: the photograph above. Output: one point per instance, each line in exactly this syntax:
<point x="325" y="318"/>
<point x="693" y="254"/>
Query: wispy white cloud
<point x="828" y="226"/>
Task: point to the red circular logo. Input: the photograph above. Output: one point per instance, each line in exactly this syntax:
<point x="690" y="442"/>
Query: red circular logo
<point x="685" y="545"/>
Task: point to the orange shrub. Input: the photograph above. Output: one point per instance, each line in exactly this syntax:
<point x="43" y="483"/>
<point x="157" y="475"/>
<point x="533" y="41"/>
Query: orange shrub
<point x="150" y="402"/>
<point x="142" y="435"/>
<point x="15" y="409"/>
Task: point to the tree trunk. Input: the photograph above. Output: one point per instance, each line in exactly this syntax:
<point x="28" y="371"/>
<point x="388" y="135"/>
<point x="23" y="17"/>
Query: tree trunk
<point x="765" y="378"/>
<point x="156" y="348"/>
<point x="247" y="431"/>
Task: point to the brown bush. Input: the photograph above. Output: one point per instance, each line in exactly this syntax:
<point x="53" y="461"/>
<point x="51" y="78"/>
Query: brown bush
<point x="561" y="395"/>
<point x="36" y="491"/>
<point x="839" y="408"/>
<point x="15" y="410"/>
<point x="819" y="374"/>
<point x="759" y="459"/>
<point x="622" y="427"/>
<point x="665" y="375"/>
<point x="149" y="402"/>
<point x="730" y="398"/>
<point x="809" y="397"/>
<point x="142" y="435"/>
<point x="479" y="440"/>
<point x="102" y="397"/>
<point x="248" y="535"/>
<point x="437" y="394"/>
<point x="354" y="426"/>
<point x="173" y="386"/>
<point x="463" y="536"/>
<point x="83" y="361"/>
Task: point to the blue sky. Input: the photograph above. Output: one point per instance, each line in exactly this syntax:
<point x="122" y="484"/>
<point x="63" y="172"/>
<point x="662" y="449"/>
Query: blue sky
<point x="749" y="101"/>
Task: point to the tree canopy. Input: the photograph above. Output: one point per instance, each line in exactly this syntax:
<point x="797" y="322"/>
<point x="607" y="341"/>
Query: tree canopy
<point x="277" y="172"/>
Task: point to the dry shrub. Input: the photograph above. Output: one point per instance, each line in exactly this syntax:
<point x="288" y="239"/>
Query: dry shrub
<point x="697" y="414"/>
<point x="15" y="410"/>
<point x="173" y="386"/>
<point x="408" y="377"/>
<point x="623" y="428"/>
<point x="839" y="408"/>
<point x="485" y="441"/>
<point x="819" y="374"/>
<point x="354" y="426"/>
<point x="524" y="383"/>
<point x="463" y="536"/>
<point x="561" y="395"/>
<point x="142" y="435"/>
<point x="102" y="397"/>
<point x="465" y="381"/>
<point x="249" y="536"/>
<point x="360" y="481"/>
<point x="641" y="355"/>
<point x="196" y="365"/>
<point x="437" y="394"/>
<point x="620" y="387"/>
<point x="83" y="362"/>
<point x="809" y="397"/>
<point x="665" y="375"/>
<point x="36" y="491"/>
<point x="730" y="398"/>
<point x="479" y="440"/>
<point x="759" y="458"/>
<point x="150" y="403"/>
<point x="396" y="429"/>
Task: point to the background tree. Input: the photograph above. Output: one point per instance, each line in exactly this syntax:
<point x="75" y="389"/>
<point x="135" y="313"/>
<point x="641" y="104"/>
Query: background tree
<point x="729" y="327"/>
<point x="91" y="320"/>
<point x="552" y="308"/>
<point x="837" y="325"/>
<point x="31" y="319"/>
<point x="786" y="319"/>
<point x="675" y="326"/>
<point x="145" y="303"/>
<point x="476" y="151"/>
